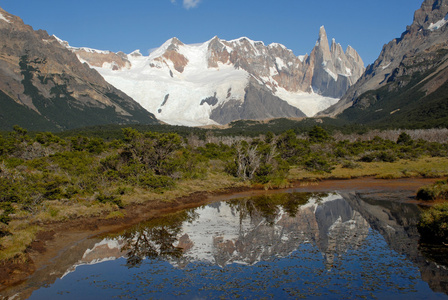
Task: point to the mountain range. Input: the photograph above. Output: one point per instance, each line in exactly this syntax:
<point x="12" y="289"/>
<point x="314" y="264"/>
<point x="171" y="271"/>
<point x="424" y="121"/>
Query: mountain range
<point x="221" y="81"/>
<point x="49" y="85"/>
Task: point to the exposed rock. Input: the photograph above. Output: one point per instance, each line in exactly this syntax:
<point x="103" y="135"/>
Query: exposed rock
<point x="50" y="89"/>
<point x="258" y="104"/>
<point x="427" y="33"/>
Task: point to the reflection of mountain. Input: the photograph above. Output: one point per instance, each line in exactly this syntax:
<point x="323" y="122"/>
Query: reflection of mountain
<point x="250" y="230"/>
<point x="397" y="224"/>
<point x="232" y="236"/>
<point x="245" y="232"/>
<point x="344" y="228"/>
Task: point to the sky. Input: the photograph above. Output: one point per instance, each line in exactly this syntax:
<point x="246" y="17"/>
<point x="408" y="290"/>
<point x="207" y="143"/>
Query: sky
<point x="119" y="25"/>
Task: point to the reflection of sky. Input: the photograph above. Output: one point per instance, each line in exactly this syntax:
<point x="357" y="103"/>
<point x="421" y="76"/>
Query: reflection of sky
<point x="373" y="270"/>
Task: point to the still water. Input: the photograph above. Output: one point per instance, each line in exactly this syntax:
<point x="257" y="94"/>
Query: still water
<point x="284" y="245"/>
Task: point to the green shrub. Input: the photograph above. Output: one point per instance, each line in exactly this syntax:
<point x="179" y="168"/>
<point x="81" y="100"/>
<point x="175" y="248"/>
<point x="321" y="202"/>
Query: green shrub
<point x="318" y="135"/>
<point x="318" y="163"/>
<point x="404" y="139"/>
<point x="438" y="190"/>
<point x="5" y="210"/>
<point x="385" y="156"/>
<point x="433" y="225"/>
<point x="156" y="182"/>
<point x="348" y="164"/>
<point x="103" y="198"/>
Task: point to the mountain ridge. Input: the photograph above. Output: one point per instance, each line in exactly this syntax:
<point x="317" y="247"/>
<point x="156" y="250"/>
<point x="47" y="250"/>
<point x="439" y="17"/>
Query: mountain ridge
<point x="415" y="65"/>
<point x="45" y="87"/>
<point x="176" y="79"/>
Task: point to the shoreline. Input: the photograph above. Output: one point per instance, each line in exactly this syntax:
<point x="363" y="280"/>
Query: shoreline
<point x="56" y="237"/>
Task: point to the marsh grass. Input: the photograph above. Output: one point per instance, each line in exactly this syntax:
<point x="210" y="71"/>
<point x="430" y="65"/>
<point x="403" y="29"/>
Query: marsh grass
<point x="427" y="167"/>
<point x="13" y="246"/>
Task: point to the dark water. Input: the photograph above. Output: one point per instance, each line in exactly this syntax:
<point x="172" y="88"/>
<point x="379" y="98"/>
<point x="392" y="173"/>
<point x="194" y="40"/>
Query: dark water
<point x="286" y="245"/>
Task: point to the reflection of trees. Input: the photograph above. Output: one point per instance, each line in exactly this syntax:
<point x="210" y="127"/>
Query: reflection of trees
<point x="155" y="239"/>
<point x="270" y="206"/>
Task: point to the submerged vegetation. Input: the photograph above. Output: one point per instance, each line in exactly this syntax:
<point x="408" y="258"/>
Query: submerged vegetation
<point x="46" y="177"/>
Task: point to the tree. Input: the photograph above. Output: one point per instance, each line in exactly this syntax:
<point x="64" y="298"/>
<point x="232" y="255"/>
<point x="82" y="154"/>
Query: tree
<point x="404" y="139"/>
<point x="318" y="135"/>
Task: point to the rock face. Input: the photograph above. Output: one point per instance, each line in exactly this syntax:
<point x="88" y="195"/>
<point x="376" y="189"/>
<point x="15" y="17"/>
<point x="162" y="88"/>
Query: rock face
<point x="334" y="71"/>
<point x="246" y="79"/>
<point x="45" y="87"/>
<point x="415" y="63"/>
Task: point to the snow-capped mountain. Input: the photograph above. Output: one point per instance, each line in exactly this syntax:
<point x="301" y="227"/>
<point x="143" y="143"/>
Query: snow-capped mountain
<point x="220" y="81"/>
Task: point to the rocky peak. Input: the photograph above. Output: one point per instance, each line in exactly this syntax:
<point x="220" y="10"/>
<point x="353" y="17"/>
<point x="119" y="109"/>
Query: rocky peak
<point x="98" y="58"/>
<point x="322" y="46"/>
<point x="334" y="71"/>
<point x="411" y="54"/>
<point x="136" y="53"/>
<point x="217" y="52"/>
<point x="174" y="44"/>
<point x="431" y="12"/>
<point x="336" y="50"/>
<point x="226" y="77"/>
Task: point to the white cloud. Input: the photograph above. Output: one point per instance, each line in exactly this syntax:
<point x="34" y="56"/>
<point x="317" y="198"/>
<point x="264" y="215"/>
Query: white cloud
<point x="191" y="3"/>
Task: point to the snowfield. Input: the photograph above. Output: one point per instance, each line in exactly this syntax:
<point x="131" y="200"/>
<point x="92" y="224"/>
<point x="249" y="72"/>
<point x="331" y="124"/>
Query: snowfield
<point x="177" y="98"/>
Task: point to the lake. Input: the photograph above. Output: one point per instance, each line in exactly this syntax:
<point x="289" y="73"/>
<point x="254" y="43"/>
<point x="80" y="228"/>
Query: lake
<point x="283" y="245"/>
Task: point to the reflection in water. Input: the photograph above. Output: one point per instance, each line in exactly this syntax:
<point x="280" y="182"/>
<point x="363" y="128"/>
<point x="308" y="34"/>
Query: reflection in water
<point x="281" y="245"/>
<point x="155" y="239"/>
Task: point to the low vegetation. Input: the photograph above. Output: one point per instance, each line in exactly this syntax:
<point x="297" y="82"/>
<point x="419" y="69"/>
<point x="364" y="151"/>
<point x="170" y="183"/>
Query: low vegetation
<point x="48" y="178"/>
<point x="433" y="226"/>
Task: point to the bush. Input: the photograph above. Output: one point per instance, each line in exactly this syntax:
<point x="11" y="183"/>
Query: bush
<point x="318" y="135"/>
<point x="433" y="225"/>
<point x="404" y="139"/>
<point x="348" y="164"/>
<point x="318" y="163"/>
<point x="438" y="190"/>
<point x="385" y="156"/>
<point x="103" y="198"/>
<point x="156" y="182"/>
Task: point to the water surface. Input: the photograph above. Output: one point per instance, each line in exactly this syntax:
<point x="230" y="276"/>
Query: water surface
<point x="284" y="245"/>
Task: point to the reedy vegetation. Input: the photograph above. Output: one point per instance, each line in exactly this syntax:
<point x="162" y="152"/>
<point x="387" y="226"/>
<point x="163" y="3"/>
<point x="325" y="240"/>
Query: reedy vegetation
<point x="47" y="178"/>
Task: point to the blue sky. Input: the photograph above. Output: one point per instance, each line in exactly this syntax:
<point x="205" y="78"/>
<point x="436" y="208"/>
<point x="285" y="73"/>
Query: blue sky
<point x="119" y="25"/>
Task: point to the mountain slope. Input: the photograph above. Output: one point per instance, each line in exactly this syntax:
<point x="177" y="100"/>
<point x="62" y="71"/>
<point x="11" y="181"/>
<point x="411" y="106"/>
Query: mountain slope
<point x="45" y="87"/>
<point x="220" y="81"/>
<point x="407" y="84"/>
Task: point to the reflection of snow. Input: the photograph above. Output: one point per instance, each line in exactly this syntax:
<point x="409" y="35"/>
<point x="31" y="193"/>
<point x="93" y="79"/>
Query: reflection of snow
<point x="223" y="237"/>
<point x="224" y="233"/>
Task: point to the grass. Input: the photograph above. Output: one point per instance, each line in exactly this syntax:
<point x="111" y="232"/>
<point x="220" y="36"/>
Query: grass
<point x="13" y="246"/>
<point x="427" y="167"/>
